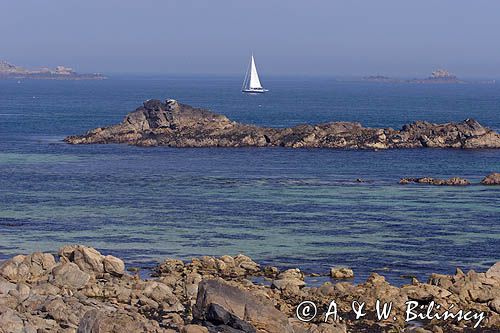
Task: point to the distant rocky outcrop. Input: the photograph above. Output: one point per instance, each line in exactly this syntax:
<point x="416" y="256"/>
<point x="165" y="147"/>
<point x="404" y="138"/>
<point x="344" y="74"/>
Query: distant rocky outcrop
<point x="491" y="179"/>
<point x="174" y="124"/>
<point x="10" y="71"/>
<point x="437" y="76"/>
<point x="454" y="181"/>
<point x="83" y="291"/>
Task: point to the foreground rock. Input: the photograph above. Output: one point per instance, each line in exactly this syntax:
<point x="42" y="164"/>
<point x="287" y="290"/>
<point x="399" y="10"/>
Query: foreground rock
<point x="86" y="292"/>
<point x="220" y="304"/>
<point x="174" y="124"/>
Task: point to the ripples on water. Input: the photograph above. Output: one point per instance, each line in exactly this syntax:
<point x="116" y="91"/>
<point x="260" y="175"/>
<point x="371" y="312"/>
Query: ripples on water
<point x="281" y="206"/>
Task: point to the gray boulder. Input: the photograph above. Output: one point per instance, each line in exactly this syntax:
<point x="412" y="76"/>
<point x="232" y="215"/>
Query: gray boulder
<point x="220" y="303"/>
<point x="70" y="276"/>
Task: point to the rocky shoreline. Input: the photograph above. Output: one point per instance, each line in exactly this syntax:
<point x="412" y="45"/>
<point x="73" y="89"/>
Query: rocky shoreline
<point x="84" y="291"/>
<point x="173" y="124"/>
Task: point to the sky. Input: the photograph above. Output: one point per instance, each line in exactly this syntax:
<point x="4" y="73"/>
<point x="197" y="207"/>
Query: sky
<point x="288" y="37"/>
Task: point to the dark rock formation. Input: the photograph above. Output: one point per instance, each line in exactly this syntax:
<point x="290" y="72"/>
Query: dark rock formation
<point x="219" y="303"/>
<point x="491" y="179"/>
<point x="178" y="125"/>
<point x="454" y="181"/>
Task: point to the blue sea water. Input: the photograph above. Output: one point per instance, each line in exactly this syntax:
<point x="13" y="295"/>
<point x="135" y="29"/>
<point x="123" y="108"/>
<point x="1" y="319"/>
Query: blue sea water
<point x="285" y="207"/>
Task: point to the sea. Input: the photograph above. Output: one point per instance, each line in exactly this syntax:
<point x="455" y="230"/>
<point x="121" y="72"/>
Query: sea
<point x="283" y="207"/>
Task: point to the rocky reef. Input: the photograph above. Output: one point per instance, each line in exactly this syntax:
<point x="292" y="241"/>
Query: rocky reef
<point x="86" y="292"/>
<point x="174" y="124"/>
<point x="491" y="179"/>
<point x="454" y="181"/>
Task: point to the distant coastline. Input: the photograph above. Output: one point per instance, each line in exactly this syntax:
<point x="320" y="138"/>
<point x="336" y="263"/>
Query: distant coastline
<point x="14" y="72"/>
<point x="439" y="76"/>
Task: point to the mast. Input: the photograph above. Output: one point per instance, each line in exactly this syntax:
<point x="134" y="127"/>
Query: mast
<point x="246" y="80"/>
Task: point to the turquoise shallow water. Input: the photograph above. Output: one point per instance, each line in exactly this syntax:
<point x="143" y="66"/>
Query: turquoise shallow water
<point x="281" y="206"/>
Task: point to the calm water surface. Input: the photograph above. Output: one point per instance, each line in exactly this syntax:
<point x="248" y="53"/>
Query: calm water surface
<point x="281" y="206"/>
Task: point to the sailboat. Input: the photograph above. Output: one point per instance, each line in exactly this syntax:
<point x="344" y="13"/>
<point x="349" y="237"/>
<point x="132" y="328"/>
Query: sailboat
<point x="252" y="84"/>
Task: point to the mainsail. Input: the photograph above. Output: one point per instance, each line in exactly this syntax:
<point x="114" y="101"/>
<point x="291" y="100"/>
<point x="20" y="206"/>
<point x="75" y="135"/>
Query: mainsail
<point x="254" y="76"/>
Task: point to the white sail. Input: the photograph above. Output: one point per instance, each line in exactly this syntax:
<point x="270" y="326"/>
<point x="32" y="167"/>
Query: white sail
<point x="254" y="76"/>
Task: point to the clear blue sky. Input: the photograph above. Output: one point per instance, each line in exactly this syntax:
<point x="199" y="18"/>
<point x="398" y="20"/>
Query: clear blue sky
<point x="296" y="37"/>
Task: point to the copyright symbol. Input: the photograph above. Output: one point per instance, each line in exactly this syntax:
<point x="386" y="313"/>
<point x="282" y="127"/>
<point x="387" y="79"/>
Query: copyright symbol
<point x="306" y="311"/>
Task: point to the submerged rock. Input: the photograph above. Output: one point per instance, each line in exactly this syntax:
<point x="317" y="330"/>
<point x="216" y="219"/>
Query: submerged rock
<point x="174" y="124"/>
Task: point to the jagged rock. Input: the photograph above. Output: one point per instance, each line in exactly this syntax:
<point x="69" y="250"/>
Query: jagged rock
<point x="11" y="322"/>
<point x="163" y="296"/>
<point x="65" y="311"/>
<point x="87" y="259"/>
<point x="491" y="179"/>
<point x="29" y="268"/>
<point x="225" y="266"/>
<point x="494" y="271"/>
<point x="174" y="124"/>
<point x="425" y="292"/>
<point x="242" y="261"/>
<point x="341" y="273"/>
<point x="92" y="261"/>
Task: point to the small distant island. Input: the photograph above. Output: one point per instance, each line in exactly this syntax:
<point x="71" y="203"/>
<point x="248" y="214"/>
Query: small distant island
<point x="10" y="71"/>
<point x="437" y="76"/>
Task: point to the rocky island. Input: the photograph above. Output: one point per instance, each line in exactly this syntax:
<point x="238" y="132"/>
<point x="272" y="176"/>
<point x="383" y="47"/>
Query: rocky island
<point x="437" y="76"/>
<point x="174" y="124"/>
<point x="10" y="71"/>
<point x="79" y="290"/>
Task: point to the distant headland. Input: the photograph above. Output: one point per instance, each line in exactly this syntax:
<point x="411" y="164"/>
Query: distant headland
<point x="10" y="71"/>
<point x="438" y="76"/>
<point x="173" y="124"/>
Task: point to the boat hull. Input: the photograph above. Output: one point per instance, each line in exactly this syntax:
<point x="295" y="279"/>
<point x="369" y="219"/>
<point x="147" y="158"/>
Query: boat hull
<point x="254" y="91"/>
